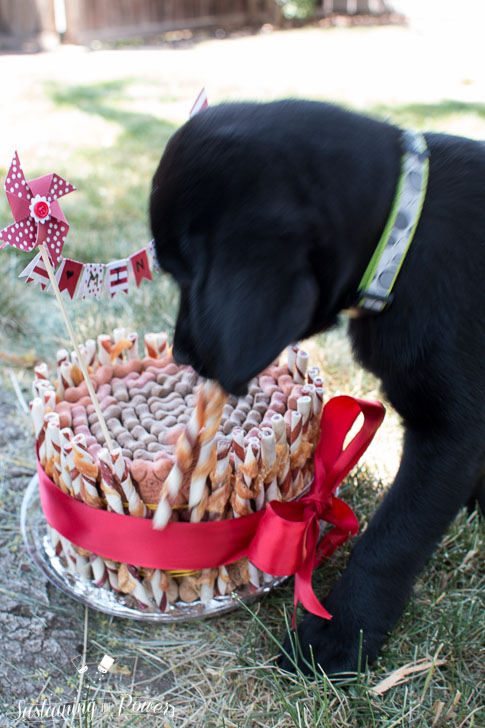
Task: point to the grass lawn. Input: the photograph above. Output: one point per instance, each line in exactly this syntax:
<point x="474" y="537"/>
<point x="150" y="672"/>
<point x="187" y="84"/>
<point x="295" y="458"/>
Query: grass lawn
<point x="104" y="131"/>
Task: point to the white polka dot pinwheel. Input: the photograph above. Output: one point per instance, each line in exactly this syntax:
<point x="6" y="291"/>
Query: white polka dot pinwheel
<point x="36" y="211"/>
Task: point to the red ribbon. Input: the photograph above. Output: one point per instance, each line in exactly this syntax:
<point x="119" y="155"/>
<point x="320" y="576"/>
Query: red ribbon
<point x="280" y="540"/>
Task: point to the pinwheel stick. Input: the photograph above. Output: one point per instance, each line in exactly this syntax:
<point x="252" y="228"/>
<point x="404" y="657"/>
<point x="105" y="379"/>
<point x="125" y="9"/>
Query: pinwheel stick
<point x="80" y="358"/>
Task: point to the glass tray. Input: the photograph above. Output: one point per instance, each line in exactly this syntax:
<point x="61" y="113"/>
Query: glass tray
<point x="36" y="537"/>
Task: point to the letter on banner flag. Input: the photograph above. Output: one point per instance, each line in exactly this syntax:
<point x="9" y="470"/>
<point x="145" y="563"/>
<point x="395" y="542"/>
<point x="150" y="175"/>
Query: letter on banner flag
<point x="141" y="266"/>
<point x="92" y="281"/>
<point x="68" y="274"/>
<point x="117" y="277"/>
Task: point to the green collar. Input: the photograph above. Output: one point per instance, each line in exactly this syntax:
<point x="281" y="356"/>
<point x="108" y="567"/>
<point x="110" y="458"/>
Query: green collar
<point x="375" y="288"/>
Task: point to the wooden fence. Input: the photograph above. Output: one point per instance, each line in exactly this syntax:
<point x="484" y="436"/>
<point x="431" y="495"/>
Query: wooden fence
<point x="82" y="21"/>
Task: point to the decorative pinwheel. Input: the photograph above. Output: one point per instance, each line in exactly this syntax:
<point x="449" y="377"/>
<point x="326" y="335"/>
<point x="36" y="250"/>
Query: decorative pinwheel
<point x="37" y="214"/>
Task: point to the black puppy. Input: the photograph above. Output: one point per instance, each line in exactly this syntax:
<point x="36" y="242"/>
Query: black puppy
<point x="267" y="216"/>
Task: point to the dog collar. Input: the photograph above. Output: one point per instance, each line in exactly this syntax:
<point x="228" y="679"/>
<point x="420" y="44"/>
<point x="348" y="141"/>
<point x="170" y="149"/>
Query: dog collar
<point x="375" y="288"/>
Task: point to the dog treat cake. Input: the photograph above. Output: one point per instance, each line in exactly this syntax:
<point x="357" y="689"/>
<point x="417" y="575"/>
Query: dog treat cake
<point x="181" y="450"/>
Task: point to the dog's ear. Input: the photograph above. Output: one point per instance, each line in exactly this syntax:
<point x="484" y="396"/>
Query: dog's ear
<point x="243" y="315"/>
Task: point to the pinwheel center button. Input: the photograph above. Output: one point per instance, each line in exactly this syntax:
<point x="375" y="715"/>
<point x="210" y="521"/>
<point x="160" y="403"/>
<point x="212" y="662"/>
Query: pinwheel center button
<point x="41" y="209"/>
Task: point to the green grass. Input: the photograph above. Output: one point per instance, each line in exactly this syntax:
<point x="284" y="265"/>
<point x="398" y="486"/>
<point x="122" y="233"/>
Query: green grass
<point x="108" y="217"/>
<point x="221" y="673"/>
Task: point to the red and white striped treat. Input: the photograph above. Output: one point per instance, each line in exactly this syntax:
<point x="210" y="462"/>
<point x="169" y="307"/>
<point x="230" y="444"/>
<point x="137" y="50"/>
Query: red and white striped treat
<point x="88" y="469"/>
<point x="295" y="443"/>
<point x="76" y="371"/>
<point x="151" y="345"/>
<point x="213" y="400"/>
<point x="136" y="506"/>
<point x="46" y="391"/>
<point x="65" y="437"/>
<point x="51" y="442"/>
<point x="248" y="480"/>
<point x="241" y="496"/>
<point x="65" y="376"/>
<point x="41" y="371"/>
<point x="207" y="582"/>
<point x="112" y="575"/>
<point x="69" y="555"/>
<point x="132" y="352"/>
<point x="282" y="454"/>
<point x="312" y="374"/>
<point x="223" y="581"/>
<point x="119" y="334"/>
<point x="305" y="408"/>
<point x="154" y="579"/>
<point x="220" y="481"/>
<point x="104" y="349"/>
<point x="301" y="366"/>
<point x="268" y="454"/>
<point x="62" y="355"/>
<point x="100" y="572"/>
<point x="291" y="353"/>
<point x="317" y="401"/>
<point x="184" y="457"/>
<point x="108" y="483"/>
<point x="90" y="353"/>
<point x="83" y="565"/>
<point x="130" y="583"/>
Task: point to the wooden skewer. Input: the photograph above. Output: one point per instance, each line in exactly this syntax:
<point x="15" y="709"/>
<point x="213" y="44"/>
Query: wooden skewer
<point x="82" y="364"/>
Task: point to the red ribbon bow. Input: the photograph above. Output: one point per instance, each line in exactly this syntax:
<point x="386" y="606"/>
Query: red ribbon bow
<point x="281" y="540"/>
<point x="286" y="540"/>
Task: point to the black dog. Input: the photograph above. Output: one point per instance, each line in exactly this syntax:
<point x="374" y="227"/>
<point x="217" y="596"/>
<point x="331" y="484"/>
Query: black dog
<point x="267" y="216"/>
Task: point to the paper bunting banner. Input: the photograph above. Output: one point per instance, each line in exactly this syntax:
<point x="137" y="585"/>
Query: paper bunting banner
<point x="92" y="281"/>
<point x="37" y="214"/>
<point x="68" y="275"/>
<point x="26" y="271"/>
<point x="200" y="103"/>
<point x="39" y="275"/>
<point x="117" y="277"/>
<point x="140" y="266"/>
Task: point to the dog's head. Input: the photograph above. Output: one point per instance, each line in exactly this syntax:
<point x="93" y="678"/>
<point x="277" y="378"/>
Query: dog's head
<point x="236" y="217"/>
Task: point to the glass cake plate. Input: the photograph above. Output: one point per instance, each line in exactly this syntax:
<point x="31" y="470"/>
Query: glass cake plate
<point x="36" y="537"/>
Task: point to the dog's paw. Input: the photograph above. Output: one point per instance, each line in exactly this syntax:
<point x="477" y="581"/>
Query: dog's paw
<point x="329" y="645"/>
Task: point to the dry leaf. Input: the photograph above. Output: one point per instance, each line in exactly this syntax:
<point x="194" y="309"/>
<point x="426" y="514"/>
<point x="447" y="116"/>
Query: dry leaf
<point x="401" y="674"/>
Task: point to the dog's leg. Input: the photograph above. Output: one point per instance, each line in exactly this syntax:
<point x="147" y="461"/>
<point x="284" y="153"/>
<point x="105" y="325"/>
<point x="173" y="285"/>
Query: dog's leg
<point x="436" y="477"/>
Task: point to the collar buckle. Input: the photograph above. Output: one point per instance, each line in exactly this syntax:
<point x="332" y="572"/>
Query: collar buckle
<point x="375" y="302"/>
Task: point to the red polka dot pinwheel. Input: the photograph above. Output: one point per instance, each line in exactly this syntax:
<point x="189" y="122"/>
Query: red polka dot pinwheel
<point x="36" y="211"/>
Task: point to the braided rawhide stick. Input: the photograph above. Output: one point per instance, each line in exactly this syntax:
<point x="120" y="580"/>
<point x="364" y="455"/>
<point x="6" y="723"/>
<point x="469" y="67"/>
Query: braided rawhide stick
<point x="220" y="481"/>
<point x="129" y="582"/>
<point x="242" y="494"/>
<point x="108" y="482"/>
<point x="114" y="472"/>
<point x="88" y="469"/>
<point x="214" y="401"/>
<point x="206" y="414"/>
<point x="268" y="454"/>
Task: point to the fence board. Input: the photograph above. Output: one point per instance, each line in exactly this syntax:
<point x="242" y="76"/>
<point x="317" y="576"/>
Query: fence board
<point x="114" y="19"/>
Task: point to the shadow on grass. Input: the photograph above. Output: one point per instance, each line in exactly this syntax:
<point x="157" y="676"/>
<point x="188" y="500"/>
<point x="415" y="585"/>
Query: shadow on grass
<point x="113" y="181"/>
<point x="102" y="99"/>
<point x="420" y="113"/>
